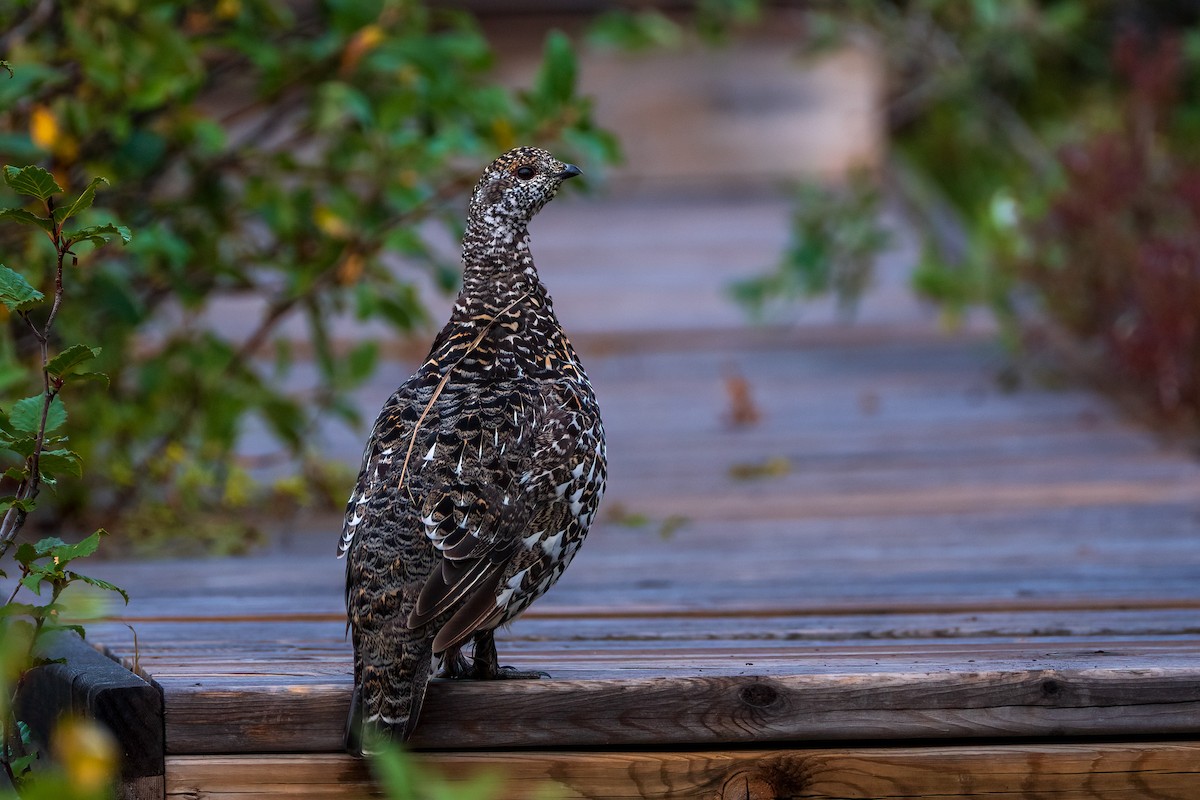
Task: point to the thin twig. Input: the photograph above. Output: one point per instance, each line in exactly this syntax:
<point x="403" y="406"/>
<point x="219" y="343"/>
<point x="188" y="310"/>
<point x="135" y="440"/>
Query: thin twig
<point x="15" y="516"/>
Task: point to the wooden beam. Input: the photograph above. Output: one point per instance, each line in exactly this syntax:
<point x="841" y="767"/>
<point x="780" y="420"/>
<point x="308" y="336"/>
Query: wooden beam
<point x="1083" y="771"/>
<point x="84" y="682"/>
<point x="1072" y="694"/>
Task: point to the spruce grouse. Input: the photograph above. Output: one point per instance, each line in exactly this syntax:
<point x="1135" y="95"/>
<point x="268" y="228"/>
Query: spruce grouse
<point x="482" y="474"/>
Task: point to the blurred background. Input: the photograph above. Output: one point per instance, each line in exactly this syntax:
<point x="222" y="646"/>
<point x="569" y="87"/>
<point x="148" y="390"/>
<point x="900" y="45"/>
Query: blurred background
<point x="294" y="174"/>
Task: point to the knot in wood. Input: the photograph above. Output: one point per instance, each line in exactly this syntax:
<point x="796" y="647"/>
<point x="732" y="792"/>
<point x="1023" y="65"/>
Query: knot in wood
<point x="748" y="786"/>
<point x="758" y="695"/>
<point x="1051" y="687"/>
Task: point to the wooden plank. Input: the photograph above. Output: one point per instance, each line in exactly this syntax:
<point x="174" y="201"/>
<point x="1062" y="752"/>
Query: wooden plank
<point x="940" y="560"/>
<point x="200" y="640"/>
<point x="1079" y="771"/>
<point x="237" y="670"/>
<point x="887" y="503"/>
<point x="599" y="344"/>
<point x="598" y="628"/>
<point x="857" y="695"/>
<point x="87" y="683"/>
<point x="923" y="397"/>
<point x="1013" y="557"/>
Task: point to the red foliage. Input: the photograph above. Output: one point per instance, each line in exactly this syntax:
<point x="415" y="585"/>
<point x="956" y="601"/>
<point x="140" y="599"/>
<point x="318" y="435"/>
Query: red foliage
<point x="1119" y="250"/>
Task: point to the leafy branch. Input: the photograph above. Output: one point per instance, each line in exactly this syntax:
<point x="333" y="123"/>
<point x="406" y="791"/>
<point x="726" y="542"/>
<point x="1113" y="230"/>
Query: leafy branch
<point x="26" y="429"/>
<point x="297" y="158"/>
<point x="31" y="431"/>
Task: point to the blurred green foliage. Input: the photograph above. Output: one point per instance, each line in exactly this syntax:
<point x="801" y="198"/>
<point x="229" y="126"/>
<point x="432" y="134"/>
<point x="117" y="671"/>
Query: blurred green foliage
<point x="836" y="235"/>
<point x="35" y="452"/>
<point x="1116" y="254"/>
<point x="85" y="768"/>
<point x="401" y="776"/>
<point x="294" y="153"/>
<point x="644" y="27"/>
<point x="1046" y="153"/>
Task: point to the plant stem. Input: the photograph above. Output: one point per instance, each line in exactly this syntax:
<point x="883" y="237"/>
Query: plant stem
<point x="14" y="517"/>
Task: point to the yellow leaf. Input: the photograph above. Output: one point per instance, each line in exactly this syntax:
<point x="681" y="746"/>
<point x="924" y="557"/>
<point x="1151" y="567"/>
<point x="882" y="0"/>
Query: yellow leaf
<point x="88" y="754"/>
<point x="502" y="132"/>
<point x="351" y="268"/>
<point x="364" y="40"/>
<point x="47" y="134"/>
<point x="371" y="36"/>
<point x="175" y="453"/>
<point x="237" y="491"/>
<point x="228" y="9"/>
<point x="43" y="128"/>
<point x="330" y="224"/>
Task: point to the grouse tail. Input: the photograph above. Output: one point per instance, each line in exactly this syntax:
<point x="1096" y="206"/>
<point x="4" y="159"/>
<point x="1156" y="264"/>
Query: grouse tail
<point x="387" y="701"/>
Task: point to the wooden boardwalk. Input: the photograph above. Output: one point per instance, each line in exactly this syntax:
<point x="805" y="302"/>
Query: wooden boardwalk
<point x="902" y="581"/>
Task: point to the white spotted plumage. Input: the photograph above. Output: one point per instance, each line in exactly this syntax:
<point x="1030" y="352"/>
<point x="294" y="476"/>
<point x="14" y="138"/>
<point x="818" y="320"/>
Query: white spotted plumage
<point x="483" y="471"/>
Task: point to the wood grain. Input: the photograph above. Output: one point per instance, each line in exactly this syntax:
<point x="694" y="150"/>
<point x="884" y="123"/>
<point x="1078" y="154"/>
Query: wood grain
<point x="1030" y="694"/>
<point x="1161" y="771"/>
<point x="937" y="562"/>
<point x="84" y="682"/>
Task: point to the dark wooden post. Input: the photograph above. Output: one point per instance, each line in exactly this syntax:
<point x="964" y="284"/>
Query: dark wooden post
<point x="89" y="684"/>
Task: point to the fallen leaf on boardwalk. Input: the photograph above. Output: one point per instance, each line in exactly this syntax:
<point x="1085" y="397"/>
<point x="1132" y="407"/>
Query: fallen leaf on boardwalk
<point x="742" y="408"/>
<point x="618" y="514"/>
<point x="771" y="468"/>
<point x="672" y="524"/>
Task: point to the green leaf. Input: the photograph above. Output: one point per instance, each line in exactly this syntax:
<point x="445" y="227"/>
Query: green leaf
<point x="25" y="732"/>
<point x="58" y="626"/>
<point x="15" y="292"/>
<point x="25" y="504"/>
<point x="27" y="218"/>
<point x="62" y="364"/>
<point x="23" y="764"/>
<point x="66" y="553"/>
<point x="23" y="446"/>
<point x="84" y="201"/>
<point x="98" y="377"/>
<point x="361" y="361"/>
<point x="628" y="30"/>
<point x="100" y="235"/>
<point x="29" y="552"/>
<point x="19" y="610"/>
<point x="26" y="415"/>
<point x="33" y="581"/>
<point x="57" y="462"/>
<point x="33" y="181"/>
<point x="555" y="83"/>
<point x="99" y="584"/>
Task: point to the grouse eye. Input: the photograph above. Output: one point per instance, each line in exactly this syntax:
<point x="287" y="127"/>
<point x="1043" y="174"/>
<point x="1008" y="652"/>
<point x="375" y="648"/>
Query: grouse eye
<point x="526" y="172"/>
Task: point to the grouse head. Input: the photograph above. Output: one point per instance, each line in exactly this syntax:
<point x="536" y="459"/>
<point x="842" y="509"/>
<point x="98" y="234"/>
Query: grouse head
<point x="516" y="185"/>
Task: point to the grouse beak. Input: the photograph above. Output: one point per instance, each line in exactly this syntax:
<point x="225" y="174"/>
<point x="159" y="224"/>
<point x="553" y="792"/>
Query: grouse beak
<point x="568" y="171"/>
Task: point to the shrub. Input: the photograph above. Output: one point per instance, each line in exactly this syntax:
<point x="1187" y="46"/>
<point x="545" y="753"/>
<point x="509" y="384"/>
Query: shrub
<point x="1046" y="154"/>
<point x="35" y="452"/>
<point x="292" y="152"/>
<point x="1115" y="258"/>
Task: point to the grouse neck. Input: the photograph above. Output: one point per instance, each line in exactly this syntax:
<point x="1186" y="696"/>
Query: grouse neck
<point x="497" y="264"/>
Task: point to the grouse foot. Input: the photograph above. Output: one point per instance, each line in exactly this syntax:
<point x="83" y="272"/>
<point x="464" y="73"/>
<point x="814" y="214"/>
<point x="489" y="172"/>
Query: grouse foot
<point x="487" y="663"/>
<point x="454" y="666"/>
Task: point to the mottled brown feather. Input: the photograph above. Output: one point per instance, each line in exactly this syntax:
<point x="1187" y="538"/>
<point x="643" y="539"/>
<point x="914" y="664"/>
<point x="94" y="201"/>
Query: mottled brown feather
<point x="483" y="471"/>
